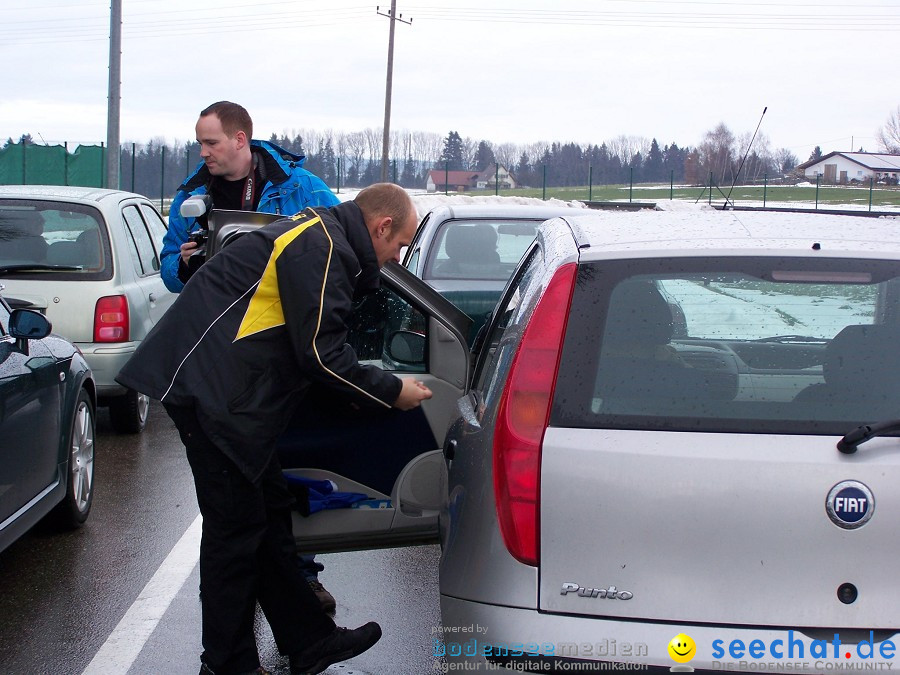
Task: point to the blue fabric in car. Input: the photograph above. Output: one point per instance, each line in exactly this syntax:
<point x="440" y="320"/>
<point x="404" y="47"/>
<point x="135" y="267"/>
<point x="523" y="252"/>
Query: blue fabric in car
<point x="368" y="446"/>
<point x="317" y="495"/>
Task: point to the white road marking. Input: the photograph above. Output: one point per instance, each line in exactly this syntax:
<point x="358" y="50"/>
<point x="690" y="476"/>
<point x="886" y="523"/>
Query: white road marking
<point x="124" y="644"/>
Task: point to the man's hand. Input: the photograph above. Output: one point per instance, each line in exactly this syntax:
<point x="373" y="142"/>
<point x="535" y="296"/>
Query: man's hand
<point x="412" y="394"/>
<point x="187" y="248"/>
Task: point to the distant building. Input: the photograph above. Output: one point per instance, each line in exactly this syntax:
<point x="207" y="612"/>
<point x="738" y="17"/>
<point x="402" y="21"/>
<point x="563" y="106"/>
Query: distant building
<point x="850" y="167"/>
<point x="439" y="180"/>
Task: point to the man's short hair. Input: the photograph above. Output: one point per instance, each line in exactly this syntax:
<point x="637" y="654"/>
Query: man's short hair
<point x="234" y="118"/>
<point x="385" y="199"/>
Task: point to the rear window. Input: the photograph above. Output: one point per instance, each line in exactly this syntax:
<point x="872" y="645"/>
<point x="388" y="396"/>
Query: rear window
<point x="57" y="234"/>
<point x="479" y="249"/>
<point x="750" y="345"/>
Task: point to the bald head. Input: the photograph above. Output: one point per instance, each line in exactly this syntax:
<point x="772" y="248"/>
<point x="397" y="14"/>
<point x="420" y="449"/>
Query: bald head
<point x="390" y="219"/>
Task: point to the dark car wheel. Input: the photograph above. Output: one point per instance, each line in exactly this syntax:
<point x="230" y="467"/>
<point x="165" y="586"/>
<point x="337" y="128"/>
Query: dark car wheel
<point x="128" y="413"/>
<point x="76" y="505"/>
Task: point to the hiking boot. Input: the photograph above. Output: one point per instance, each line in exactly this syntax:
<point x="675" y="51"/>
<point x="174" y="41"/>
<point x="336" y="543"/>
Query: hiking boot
<point x="339" y="645"/>
<point x="326" y="599"/>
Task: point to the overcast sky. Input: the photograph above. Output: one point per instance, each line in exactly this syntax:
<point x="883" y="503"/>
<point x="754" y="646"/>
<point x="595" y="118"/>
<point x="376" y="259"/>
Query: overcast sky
<point x="515" y="71"/>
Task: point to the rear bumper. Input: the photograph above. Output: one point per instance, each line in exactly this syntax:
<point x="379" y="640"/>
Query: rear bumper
<point x="106" y="360"/>
<point x="478" y="638"/>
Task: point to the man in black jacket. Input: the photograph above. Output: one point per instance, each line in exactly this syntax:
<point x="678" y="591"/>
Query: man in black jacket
<point x="231" y="361"/>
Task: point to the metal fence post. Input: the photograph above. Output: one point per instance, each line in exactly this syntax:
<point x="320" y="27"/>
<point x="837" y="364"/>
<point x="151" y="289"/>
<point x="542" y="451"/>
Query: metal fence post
<point x="162" y="177"/>
<point x="590" y="182"/>
<point x="496" y="179"/>
<point x="765" y="187"/>
<point x="630" y="182"/>
<point x="871" y="188"/>
<point x="446" y="177"/>
<point x="24" y="163"/>
<point x="672" y="185"/>
<point x="133" y="146"/>
<point x="102" y="165"/>
<point x="66" y="163"/>
<point x="817" y="192"/>
<point x="710" y="188"/>
<point x="544" y="189"/>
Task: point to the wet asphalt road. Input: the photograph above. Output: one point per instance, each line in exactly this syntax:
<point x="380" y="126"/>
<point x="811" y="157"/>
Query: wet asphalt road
<point x="62" y="594"/>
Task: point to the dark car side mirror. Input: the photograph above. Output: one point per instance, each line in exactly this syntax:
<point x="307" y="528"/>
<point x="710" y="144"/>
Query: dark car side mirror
<point x="26" y="324"/>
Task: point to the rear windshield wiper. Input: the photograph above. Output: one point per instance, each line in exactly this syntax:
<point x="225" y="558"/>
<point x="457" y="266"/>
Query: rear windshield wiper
<point x="860" y="435"/>
<point x="791" y="338"/>
<point x="36" y="267"/>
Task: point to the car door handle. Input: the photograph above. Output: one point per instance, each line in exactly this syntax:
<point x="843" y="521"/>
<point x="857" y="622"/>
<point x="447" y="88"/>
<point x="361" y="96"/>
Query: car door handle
<point x="153" y="297"/>
<point x="450" y="449"/>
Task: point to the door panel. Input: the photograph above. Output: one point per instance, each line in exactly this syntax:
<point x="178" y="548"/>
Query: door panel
<point x="393" y="457"/>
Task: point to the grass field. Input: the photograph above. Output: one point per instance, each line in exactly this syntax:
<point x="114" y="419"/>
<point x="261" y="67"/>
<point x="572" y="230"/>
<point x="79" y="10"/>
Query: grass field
<point x="828" y="197"/>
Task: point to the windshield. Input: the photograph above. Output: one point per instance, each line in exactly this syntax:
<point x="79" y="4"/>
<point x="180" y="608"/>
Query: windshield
<point x="479" y="249"/>
<point x="725" y="344"/>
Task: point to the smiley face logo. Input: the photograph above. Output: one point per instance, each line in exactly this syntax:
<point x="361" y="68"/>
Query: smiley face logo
<point x="682" y="648"/>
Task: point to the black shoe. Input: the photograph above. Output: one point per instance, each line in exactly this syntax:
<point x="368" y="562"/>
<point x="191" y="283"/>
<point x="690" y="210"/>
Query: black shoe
<point x="339" y="645"/>
<point x="326" y="599"/>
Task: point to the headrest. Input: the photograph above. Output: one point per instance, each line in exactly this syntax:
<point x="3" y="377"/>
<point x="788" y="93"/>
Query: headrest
<point x="862" y="355"/>
<point x="638" y="314"/>
<point x="474" y="243"/>
<point x="23" y="223"/>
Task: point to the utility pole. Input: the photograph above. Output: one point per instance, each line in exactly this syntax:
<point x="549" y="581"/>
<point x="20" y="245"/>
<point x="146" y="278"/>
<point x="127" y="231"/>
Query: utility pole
<point x="115" y="95"/>
<point x="392" y="15"/>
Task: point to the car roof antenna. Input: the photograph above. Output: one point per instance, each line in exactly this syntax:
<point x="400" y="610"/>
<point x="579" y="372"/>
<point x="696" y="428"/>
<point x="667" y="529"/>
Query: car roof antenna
<point x="749" y="145"/>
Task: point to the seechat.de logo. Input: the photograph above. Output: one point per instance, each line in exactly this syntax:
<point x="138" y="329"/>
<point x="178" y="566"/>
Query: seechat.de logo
<point x="850" y="504"/>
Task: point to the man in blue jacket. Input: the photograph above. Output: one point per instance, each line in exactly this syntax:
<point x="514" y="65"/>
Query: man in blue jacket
<point x="239" y="174"/>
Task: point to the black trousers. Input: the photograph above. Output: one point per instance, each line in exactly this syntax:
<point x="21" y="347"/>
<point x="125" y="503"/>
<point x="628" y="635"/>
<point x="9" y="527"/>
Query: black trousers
<point x="247" y="555"/>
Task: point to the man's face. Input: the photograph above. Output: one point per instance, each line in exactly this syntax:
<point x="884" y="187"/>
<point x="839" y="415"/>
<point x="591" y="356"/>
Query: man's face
<point x="389" y="242"/>
<point x="224" y="156"/>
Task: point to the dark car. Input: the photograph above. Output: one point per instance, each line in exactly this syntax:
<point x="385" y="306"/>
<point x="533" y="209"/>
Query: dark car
<point x="47" y="423"/>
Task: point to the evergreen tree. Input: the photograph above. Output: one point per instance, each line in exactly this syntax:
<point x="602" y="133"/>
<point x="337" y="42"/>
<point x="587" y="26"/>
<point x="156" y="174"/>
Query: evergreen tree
<point x="409" y="178"/>
<point x="452" y="154"/>
<point x="816" y="154"/>
<point x="484" y="156"/>
<point x="654" y="168"/>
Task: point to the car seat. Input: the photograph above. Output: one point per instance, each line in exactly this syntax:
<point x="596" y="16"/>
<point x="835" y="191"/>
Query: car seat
<point x="639" y="370"/>
<point x="862" y="375"/>
<point x="471" y="252"/>
<point x="20" y="237"/>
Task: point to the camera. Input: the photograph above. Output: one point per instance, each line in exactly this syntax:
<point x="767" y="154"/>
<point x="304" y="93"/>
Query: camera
<point x="196" y="207"/>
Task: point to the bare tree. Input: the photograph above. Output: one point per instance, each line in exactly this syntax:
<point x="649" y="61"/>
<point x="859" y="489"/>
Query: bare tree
<point x="507" y="155"/>
<point x="717" y="153"/>
<point x="626" y="147"/>
<point x="889" y="134"/>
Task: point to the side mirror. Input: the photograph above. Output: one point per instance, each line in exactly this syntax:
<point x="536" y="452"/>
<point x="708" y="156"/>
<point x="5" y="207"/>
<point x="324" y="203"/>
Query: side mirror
<point x="26" y="324"/>
<point x="407" y="348"/>
<point x="194" y="207"/>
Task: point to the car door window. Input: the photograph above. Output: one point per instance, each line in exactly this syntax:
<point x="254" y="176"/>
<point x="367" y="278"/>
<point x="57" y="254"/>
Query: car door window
<point x="503" y="334"/>
<point x="143" y="254"/>
<point x="387" y="331"/>
<point x="155" y="224"/>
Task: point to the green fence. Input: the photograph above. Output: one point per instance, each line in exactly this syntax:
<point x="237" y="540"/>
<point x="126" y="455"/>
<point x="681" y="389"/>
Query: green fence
<point x="27" y="164"/>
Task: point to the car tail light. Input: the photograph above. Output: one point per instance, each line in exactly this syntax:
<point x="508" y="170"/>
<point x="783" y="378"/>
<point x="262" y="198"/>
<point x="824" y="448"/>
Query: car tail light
<point x="523" y="415"/>
<point x="111" y="319"/>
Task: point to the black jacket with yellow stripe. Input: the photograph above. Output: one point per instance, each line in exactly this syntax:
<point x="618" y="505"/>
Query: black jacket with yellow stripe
<point x="258" y="324"/>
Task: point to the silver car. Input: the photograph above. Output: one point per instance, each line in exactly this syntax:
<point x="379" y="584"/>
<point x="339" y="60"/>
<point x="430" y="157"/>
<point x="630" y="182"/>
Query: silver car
<point x="88" y="259"/>
<point x="467" y="252"/>
<point x="617" y="488"/>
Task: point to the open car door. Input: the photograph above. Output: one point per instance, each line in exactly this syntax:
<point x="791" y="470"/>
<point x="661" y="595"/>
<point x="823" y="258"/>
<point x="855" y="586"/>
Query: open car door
<point x="391" y="461"/>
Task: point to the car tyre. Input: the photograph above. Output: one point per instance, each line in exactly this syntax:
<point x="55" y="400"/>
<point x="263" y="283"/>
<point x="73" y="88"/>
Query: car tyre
<point x="73" y="510"/>
<point x="128" y="413"/>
